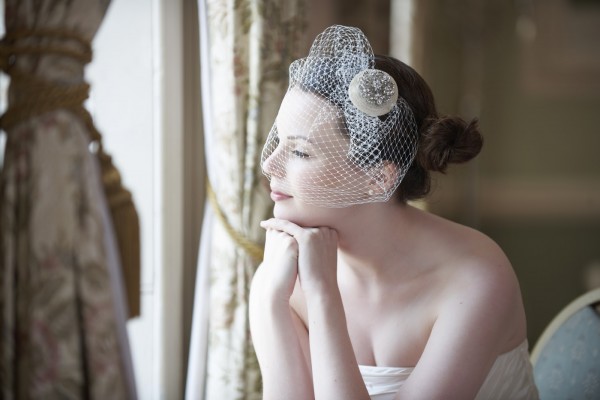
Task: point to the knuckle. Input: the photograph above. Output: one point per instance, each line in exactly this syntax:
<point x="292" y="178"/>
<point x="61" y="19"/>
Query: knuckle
<point x="288" y="241"/>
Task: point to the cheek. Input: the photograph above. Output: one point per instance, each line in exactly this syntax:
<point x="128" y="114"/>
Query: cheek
<point x="304" y="176"/>
<point x="327" y="184"/>
<point x="312" y="176"/>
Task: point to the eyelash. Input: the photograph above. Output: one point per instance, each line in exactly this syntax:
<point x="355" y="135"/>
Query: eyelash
<point x="296" y="153"/>
<point x="300" y="154"/>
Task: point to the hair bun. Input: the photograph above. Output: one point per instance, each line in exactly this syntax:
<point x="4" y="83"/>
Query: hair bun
<point x="450" y="140"/>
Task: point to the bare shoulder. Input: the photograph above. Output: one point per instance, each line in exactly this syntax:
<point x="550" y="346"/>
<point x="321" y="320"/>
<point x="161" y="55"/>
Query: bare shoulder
<point x="478" y="312"/>
<point x="478" y="259"/>
<point x="480" y="282"/>
<point x="466" y="249"/>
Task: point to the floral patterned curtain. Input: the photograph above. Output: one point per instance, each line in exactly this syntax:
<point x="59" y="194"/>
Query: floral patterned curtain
<point x="61" y="296"/>
<point x="246" y="48"/>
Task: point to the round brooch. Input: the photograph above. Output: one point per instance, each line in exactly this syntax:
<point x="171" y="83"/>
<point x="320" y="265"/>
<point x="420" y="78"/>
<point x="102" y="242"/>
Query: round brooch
<point x="374" y="92"/>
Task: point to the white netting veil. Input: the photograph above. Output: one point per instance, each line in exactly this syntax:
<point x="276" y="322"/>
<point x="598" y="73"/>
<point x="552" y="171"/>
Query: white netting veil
<point x="342" y="136"/>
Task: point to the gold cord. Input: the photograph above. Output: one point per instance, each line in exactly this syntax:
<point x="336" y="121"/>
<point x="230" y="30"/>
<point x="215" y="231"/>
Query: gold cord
<point x="253" y="249"/>
<point x="10" y="45"/>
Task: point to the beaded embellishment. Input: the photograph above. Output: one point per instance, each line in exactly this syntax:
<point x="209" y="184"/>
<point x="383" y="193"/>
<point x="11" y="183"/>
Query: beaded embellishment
<point x="374" y="92"/>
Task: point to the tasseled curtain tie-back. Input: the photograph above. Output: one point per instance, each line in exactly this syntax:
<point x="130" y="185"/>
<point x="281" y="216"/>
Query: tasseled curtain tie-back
<point x="33" y="96"/>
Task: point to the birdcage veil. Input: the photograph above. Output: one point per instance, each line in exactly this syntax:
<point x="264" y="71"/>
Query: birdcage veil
<point x="342" y="136"/>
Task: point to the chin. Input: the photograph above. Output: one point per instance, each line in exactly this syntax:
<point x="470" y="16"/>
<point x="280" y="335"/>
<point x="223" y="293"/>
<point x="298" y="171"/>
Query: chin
<point x="306" y="215"/>
<point x="298" y="217"/>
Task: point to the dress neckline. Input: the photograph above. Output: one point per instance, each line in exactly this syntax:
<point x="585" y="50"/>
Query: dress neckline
<point x="365" y="369"/>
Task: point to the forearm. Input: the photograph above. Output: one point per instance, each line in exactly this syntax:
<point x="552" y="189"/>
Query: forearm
<point x="335" y="370"/>
<point x="284" y="369"/>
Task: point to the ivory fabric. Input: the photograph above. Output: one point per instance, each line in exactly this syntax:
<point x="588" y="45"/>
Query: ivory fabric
<point x="246" y="48"/>
<point x="511" y="377"/>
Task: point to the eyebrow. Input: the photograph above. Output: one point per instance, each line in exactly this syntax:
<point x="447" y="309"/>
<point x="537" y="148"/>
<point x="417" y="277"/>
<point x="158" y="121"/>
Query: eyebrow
<point x="293" y="137"/>
<point x="298" y="137"/>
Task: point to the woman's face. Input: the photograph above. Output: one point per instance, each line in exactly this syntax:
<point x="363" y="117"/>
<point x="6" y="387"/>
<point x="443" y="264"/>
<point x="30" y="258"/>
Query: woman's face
<point x="306" y="159"/>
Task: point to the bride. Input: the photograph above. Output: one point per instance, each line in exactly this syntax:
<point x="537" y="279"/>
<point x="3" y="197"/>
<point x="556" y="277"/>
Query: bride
<point x="361" y="295"/>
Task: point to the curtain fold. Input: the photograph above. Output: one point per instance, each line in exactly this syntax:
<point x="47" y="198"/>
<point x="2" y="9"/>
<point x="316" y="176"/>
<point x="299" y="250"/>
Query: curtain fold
<point x="246" y="48"/>
<point x="61" y="291"/>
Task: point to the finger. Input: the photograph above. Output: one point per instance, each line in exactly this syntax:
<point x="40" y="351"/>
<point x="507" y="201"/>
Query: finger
<point x="283" y="226"/>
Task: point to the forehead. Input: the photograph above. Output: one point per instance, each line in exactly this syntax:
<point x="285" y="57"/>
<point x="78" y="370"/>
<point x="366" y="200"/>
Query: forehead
<point x="301" y="113"/>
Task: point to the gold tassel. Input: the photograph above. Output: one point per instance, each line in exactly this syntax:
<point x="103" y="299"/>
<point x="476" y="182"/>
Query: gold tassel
<point x="126" y="226"/>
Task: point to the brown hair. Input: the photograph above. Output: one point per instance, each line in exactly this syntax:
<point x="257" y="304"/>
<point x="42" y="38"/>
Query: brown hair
<point x="442" y="140"/>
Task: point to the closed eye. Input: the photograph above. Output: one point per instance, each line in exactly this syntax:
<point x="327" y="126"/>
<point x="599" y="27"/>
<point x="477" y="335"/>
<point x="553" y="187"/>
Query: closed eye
<point x="300" y="154"/>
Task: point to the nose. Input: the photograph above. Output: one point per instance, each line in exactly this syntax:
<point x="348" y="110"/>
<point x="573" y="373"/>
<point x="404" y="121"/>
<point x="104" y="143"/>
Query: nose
<point x="274" y="164"/>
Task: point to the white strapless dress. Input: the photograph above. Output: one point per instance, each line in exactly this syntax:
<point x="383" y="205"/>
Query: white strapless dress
<point x="511" y="377"/>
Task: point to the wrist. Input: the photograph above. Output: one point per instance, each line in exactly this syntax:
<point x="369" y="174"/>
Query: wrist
<point x="322" y="295"/>
<point x="319" y="287"/>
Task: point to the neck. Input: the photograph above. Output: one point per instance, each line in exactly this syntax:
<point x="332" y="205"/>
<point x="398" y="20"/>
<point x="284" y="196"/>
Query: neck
<point x="375" y="235"/>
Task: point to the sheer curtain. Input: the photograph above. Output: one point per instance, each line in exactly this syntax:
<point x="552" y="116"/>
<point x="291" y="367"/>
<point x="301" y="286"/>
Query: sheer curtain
<point x="61" y="290"/>
<point x="246" y="48"/>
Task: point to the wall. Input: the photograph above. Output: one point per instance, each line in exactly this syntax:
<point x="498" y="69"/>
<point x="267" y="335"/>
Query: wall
<point x="144" y="100"/>
<point x="122" y="103"/>
<point x="372" y="17"/>
<point x="532" y="76"/>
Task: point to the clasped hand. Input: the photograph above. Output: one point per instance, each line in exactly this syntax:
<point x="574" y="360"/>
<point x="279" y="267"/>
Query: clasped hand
<point x="292" y="251"/>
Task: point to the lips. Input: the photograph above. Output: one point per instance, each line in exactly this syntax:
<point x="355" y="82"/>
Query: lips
<point x="279" y="196"/>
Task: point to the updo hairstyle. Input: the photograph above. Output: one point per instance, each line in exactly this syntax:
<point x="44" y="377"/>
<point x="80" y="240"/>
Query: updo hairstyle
<point x="442" y="139"/>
